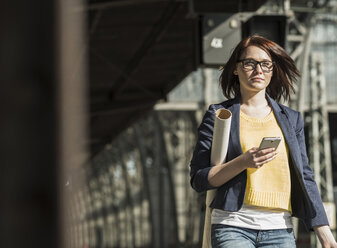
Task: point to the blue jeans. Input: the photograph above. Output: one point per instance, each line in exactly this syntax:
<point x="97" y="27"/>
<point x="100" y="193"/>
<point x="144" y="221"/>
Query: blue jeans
<point x="224" y="236"/>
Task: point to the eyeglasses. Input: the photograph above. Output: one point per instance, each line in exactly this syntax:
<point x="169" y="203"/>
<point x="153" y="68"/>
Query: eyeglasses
<point x="251" y="64"/>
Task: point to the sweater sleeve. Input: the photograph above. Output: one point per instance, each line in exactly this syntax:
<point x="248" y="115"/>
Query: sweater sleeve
<point x="201" y="161"/>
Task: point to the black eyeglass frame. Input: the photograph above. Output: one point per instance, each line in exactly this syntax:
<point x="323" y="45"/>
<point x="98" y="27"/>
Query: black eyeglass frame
<point x="258" y="63"/>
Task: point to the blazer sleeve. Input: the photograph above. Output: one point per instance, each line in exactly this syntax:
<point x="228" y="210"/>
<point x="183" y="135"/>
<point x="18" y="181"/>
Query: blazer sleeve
<point x="308" y="176"/>
<point x="201" y="161"/>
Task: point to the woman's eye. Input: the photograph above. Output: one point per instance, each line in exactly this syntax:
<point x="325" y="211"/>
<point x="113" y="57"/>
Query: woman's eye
<point x="250" y="64"/>
<point x="266" y="64"/>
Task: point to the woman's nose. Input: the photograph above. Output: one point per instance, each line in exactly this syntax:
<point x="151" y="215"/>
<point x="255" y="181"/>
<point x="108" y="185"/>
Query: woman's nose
<point x="258" y="68"/>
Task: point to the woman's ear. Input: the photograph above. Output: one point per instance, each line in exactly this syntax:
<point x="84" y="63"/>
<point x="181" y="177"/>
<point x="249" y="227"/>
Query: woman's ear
<point x="235" y="72"/>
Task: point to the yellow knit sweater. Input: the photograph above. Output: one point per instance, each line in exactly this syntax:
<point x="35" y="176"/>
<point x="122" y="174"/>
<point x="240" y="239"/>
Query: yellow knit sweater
<point x="269" y="186"/>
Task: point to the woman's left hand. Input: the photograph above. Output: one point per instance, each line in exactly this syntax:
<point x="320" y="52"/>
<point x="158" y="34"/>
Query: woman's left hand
<point x="329" y="245"/>
<point x="325" y="236"/>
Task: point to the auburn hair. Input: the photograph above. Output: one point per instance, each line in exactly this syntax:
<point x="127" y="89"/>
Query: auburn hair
<point x="285" y="72"/>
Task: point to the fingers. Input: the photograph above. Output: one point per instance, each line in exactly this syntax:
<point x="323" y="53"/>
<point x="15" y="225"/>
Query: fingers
<point x="258" y="165"/>
<point x="265" y="155"/>
<point x="266" y="150"/>
<point x="261" y="157"/>
<point x="261" y="152"/>
<point x="267" y="158"/>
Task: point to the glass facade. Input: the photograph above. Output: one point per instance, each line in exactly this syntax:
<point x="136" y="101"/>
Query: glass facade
<point x="324" y="40"/>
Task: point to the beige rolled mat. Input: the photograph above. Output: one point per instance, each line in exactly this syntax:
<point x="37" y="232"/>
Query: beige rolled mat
<point x="222" y="125"/>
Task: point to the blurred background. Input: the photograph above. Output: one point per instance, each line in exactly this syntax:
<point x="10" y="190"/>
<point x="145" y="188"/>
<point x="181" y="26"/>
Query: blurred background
<point x="101" y="101"/>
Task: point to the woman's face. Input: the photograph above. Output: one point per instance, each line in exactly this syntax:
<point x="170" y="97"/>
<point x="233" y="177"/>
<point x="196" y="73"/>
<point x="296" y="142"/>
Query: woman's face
<point x="254" y="77"/>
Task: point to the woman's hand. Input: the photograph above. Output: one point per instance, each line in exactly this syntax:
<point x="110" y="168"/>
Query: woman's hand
<point x="325" y="236"/>
<point x="255" y="158"/>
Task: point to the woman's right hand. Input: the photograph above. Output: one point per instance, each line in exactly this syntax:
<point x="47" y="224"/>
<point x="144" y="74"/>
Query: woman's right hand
<point x="255" y="158"/>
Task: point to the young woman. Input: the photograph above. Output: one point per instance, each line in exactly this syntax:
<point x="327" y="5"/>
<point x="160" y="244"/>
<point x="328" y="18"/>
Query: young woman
<point x="259" y="190"/>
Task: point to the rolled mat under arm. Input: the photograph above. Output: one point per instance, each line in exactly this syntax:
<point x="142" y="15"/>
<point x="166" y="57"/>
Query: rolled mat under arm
<point x="222" y="124"/>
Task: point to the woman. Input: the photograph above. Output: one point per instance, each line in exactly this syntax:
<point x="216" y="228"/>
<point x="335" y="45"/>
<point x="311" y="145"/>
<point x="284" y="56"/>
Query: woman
<point x="259" y="190"/>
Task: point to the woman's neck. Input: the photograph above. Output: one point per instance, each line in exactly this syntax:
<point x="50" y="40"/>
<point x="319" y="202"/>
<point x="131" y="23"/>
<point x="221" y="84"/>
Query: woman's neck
<point x="254" y="100"/>
<point x="255" y="105"/>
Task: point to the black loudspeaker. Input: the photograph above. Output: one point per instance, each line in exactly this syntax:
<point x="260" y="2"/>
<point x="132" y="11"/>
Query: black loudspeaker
<point x="272" y="27"/>
<point x="220" y="33"/>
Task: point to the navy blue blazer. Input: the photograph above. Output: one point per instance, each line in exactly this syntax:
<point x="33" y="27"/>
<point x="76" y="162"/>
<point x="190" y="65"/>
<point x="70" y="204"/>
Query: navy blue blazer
<point x="305" y="198"/>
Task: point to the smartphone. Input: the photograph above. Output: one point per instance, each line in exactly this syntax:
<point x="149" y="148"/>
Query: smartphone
<point x="269" y="142"/>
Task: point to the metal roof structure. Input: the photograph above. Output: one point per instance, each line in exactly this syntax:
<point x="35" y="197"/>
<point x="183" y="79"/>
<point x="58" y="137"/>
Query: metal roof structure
<point x="139" y="50"/>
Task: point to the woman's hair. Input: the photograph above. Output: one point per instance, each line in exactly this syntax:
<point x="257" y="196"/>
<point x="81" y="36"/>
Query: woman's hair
<point x="285" y="72"/>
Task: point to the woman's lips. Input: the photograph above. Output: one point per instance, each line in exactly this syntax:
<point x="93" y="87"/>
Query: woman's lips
<point x="257" y="79"/>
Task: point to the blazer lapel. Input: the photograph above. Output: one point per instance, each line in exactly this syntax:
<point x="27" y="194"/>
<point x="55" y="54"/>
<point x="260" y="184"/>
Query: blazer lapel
<point x="287" y="130"/>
